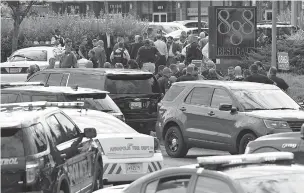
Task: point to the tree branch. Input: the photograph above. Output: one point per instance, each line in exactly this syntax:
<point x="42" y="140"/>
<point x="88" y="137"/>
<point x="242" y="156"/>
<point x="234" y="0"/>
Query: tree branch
<point x="27" y="9"/>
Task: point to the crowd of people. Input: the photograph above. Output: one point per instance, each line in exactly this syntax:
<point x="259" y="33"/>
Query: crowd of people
<point x="171" y="61"/>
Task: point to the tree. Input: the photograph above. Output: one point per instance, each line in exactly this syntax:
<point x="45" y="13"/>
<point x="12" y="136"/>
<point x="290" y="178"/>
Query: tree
<point x="19" y="10"/>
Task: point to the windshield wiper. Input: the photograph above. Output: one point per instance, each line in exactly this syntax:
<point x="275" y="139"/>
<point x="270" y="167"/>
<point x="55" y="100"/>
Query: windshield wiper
<point x="106" y="110"/>
<point x="253" y="109"/>
<point x="283" y="108"/>
<point x="24" y="57"/>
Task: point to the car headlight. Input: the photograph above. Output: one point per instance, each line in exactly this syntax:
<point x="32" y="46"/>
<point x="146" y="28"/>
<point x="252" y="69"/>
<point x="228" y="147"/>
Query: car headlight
<point x="276" y="124"/>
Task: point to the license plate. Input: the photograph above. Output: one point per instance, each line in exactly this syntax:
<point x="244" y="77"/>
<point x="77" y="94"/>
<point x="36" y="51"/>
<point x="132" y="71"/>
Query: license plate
<point x="134" y="168"/>
<point x="135" y="105"/>
<point x="15" y="70"/>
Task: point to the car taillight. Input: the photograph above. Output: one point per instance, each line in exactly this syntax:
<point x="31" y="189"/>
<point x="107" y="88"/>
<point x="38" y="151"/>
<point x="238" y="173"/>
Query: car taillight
<point x="32" y="171"/>
<point x="156" y="145"/>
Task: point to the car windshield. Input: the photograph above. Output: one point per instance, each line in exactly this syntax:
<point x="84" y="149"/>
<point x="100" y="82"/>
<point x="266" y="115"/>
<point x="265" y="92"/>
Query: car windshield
<point x="31" y="55"/>
<point x="170" y="28"/>
<point x="292" y="183"/>
<point x="265" y="100"/>
<point x="132" y="85"/>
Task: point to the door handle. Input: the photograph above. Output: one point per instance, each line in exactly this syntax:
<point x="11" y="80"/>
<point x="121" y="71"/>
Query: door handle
<point x="211" y="113"/>
<point x="183" y="109"/>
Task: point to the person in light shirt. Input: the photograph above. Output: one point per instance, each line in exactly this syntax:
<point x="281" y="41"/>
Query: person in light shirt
<point x="162" y="49"/>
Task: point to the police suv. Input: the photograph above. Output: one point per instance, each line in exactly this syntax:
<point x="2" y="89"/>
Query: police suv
<point x="291" y="142"/>
<point x="43" y="150"/>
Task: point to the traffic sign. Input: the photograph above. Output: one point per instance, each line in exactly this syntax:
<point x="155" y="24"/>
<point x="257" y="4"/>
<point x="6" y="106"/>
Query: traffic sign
<point x="283" y="61"/>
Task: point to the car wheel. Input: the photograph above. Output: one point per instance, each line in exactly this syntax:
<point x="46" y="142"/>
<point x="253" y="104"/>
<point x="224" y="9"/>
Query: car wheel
<point x="98" y="183"/>
<point x="245" y="140"/>
<point x="174" y="143"/>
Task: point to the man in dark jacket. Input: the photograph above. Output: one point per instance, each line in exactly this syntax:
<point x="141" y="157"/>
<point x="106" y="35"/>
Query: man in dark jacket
<point x="164" y="81"/>
<point x="135" y="46"/>
<point x="188" y="76"/>
<point x="256" y="77"/>
<point x="193" y="51"/>
<point x="279" y="81"/>
<point x="108" y="40"/>
<point x="147" y="54"/>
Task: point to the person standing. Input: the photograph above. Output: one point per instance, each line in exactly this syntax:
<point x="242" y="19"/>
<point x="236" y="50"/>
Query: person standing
<point x="272" y="75"/>
<point x="175" y="71"/>
<point x="164" y="82"/>
<point x="100" y="53"/>
<point x="231" y="74"/>
<point x="52" y="62"/>
<point x="68" y="59"/>
<point x="174" y="51"/>
<point x="147" y="54"/>
<point x="82" y="52"/>
<point x="261" y="69"/>
<point x="210" y="65"/>
<point x="193" y="51"/>
<point x="119" y="40"/>
<point x="162" y="49"/>
<point x="238" y="74"/>
<point x="57" y="39"/>
<point x="188" y="76"/>
<point x="256" y="77"/>
<point x="120" y="55"/>
<point x="160" y="71"/>
<point x="93" y="59"/>
<point x="108" y="40"/>
<point x="135" y="47"/>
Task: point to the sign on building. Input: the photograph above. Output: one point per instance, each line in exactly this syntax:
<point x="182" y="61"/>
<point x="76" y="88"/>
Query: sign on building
<point x="232" y="31"/>
<point x="194" y="11"/>
<point x="283" y="61"/>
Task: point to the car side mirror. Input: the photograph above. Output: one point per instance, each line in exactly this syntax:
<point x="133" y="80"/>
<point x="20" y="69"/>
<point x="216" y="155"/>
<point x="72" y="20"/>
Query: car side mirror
<point x="90" y="133"/>
<point x="225" y="107"/>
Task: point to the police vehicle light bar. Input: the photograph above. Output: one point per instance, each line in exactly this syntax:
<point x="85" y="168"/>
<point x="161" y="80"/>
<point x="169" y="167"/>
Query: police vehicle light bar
<point x="42" y="104"/>
<point x="22" y="84"/>
<point x="245" y="159"/>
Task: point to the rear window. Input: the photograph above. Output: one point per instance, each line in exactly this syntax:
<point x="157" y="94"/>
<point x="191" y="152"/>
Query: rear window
<point x="9" y="98"/>
<point x="31" y="55"/>
<point x="87" y="81"/>
<point x="132" y="85"/>
<point x="105" y="105"/>
<point x="16" y="142"/>
<point x="173" y="93"/>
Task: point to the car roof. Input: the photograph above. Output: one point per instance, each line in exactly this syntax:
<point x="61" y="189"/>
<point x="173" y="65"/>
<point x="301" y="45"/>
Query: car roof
<point x="230" y="84"/>
<point x="37" y="48"/>
<point x="253" y="171"/>
<point x="57" y="89"/>
<point x="20" y="118"/>
<point x="98" y="71"/>
<point x="86" y="113"/>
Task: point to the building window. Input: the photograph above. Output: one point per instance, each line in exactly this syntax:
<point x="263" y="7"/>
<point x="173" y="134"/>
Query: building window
<point x="267" y="15"/>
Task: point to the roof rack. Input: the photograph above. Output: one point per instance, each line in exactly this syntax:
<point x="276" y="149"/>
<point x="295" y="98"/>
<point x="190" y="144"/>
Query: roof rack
<point x="217" y="162"/>
<point x="12" y="84"/>
<point x="40" y="104"/>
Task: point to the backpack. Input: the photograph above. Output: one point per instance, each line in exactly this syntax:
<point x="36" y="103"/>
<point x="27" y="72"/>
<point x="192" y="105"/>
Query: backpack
<point x="119" y="57"/>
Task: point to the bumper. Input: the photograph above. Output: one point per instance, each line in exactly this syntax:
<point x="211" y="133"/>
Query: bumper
<point x="115" y="170"/>
<point x="143" y="125"/>
<point x="274" y="131"/>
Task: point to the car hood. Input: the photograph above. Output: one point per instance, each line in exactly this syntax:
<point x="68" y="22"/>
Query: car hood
<point x="23" y="64"/>
<point x="113" y="189"/>
<point x="278" y="114"/>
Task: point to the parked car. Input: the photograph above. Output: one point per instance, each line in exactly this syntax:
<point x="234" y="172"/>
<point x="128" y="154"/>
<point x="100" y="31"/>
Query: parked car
<point x="93" y="98"/>
<point x="43" y="150"/>
<point x="166" y="27"/>
<point x="127" y="154"/>
<point x="176" y="34"/>
<point x="135" y="92"/>
<point x="192" y="23"/>
<point x="282" y="142"/>
<point x="223" y="115"/>
<point x="271" y="173"/>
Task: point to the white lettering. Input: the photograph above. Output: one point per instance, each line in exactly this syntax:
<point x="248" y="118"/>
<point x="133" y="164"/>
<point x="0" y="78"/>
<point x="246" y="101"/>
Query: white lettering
<point x="289" y="145"/>
<point x="9" y="161"/>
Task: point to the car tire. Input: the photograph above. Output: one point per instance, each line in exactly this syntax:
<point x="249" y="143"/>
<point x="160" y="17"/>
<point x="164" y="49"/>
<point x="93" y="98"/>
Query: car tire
<point x="174" y="143"/>
<point x="245" y="140"/>
<point x="98" y="177"/>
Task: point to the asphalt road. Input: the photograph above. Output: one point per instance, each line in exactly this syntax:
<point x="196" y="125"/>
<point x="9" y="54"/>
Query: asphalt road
<point x="190" y="158"/>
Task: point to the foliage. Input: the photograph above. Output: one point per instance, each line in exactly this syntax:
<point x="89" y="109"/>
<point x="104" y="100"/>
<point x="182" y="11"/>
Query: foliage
<point x="296" y="86"/>
<point x="71" y="26"/>
<point x="293" y="45"/>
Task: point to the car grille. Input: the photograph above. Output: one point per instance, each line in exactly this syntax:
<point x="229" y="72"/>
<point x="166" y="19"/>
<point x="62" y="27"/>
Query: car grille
<point x="295" y="125"/>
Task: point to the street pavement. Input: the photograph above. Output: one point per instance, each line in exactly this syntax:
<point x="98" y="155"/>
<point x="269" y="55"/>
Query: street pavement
<point x="190" y="158"/>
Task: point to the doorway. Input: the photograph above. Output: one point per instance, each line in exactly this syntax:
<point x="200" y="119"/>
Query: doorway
<point x="159" y="17"/>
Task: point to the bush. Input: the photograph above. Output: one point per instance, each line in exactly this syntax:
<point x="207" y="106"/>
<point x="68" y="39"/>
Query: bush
<point x="293" y="45"/>
<point x="73" y="27"/>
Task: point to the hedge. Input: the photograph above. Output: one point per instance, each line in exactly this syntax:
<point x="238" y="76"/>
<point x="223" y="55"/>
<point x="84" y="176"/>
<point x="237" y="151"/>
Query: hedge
<point x="73" y="27"/>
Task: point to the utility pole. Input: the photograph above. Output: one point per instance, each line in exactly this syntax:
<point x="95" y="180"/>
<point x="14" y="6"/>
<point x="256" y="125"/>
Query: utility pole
<point x="274" y="34"/>
<point x="199" y="13"/>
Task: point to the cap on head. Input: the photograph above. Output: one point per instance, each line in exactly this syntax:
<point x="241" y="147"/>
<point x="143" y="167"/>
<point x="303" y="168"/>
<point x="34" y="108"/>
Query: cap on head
<point x="147" y="42"/>
<point x="258" y="63"/>
<point x="238" y="70"/>
<point x="254" y="68"/>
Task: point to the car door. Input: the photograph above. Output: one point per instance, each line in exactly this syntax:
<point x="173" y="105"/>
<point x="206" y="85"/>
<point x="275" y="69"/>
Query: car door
<point x="57" y="79"/>
<point x="38" y="77"/>
<point x="222" y="122"/>
<point x="7" y="97"/>
<point x="71" y="161"/>
<point x="211" y="184"/>
<point x="85" y="157"/>
<point x="195" y="108"/>
<point x="177" y="183"/>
